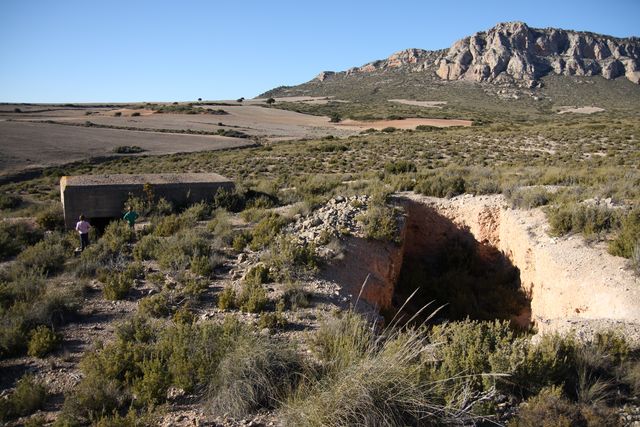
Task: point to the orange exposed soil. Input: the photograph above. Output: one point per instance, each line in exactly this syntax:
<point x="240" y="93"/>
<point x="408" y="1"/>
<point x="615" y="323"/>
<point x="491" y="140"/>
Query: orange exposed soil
<point x="403" y="124"/>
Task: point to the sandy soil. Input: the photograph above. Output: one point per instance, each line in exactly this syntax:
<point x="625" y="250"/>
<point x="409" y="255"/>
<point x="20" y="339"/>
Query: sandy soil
<point x="580" y="110"/>
<point x="403" y="124"/>
<point x="428" y="104"/>
<point x="27" y="144"/>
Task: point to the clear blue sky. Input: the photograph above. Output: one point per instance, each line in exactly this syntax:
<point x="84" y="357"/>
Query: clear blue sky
<point x="113" y="50"/>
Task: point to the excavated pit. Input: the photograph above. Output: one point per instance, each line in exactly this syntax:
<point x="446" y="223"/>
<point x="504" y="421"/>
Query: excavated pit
<point x="480" y="258"/>
<point x="455" y="272"/>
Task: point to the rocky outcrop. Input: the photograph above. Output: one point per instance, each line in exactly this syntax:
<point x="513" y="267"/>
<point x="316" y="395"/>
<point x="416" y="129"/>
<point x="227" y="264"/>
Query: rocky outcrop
<point x="520" y="53"/>
<point x="513" y="52"/>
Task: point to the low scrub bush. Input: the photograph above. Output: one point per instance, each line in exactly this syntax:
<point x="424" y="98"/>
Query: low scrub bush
<point x="128" y="149"/>
<point x="379" y="223"/>
<point x="178" y="251"/>
<point x="239" y="370"/>
<point x="43" y="341"/>
<point x="116" y="285"/>
<point x="155" y="306"/>
<point x="28" y="396"/>
<point x="227" y="298"/>
<point x="167" y="226"/>
<point x="28" y="301"/>
<point x="15" y="237"/>
<point x="289" y="259"/>
<point x="372" y="380"/>
<point x="528" y="198"/>
<point x="230" y="200"/>
<point x="148" y="247"/>
<point x="628" y="238"/>
<point x="51" y="218"/>
<point x="47" y="256"/>
<point x="117" y="237"/>
<point x="221" y="228"/>
<point x="266" y="230"/>
<point x="580" y="218"/>
<point x="252" y="297"/>
<point x="441" y="185"/>
<point x="400" y="166"/>
<point x="9" y="201"/>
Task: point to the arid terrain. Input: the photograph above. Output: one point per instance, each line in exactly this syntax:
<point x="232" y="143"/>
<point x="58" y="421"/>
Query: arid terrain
<point x="424" y="240"/>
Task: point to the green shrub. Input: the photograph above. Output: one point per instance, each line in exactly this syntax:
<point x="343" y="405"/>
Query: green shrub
<point x="148" y="247"/>
<point x="227" y="298"/>
<point x="184" y="315"/>
<point x="400" y="166"/>
<point x="580" y="218"/>
<point x="43" y="341"/>
<point x="528" y="198"/>
<point x="28" y="397"/>
<point x="47" y="256"/>
<point x="196" y="212"/>
<point x="167" y="226"/>
<point x="117" y="237"/>
<point x="258" y="273"/>
<point x="373" y="380"/>
<point x="28" y="302"/>
<point x="272" y="321"/>
<point x="252" y="297"/>
<point x="155" y="306"/>
<point x="628" y="237"/>
<point x="9" y="201"/>
<point x="51" y="218"/>
<point x="266" y="230"/>
<point x="231" y="200"/>
<point x="240" y="241"/>
<point x="289" y="259"/>
<point x="221" y="227"/>
<point x="379" y="223"/>
<point x="15" y="237"/>
<point x="178" y="251"/>
<point x="442" y="185"/>
<point x="151" y="388"/>
<point x="116" y="286"/>
<point x="205" y="265"/>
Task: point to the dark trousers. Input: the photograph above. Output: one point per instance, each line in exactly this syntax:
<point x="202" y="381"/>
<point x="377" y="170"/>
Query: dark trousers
<point x="84" y="240"/>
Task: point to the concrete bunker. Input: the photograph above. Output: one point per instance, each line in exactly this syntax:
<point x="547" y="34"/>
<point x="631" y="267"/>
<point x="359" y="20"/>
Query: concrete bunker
<point x="102" y="197"/>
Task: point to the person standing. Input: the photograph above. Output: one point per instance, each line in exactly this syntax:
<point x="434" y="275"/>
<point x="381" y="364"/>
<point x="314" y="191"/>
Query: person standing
<point x="82" y="227"/>
<point x="130" y="216"/>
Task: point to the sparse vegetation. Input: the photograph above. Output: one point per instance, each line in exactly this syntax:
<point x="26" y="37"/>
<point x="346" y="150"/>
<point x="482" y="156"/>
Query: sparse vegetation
<point x="469" y="368"/>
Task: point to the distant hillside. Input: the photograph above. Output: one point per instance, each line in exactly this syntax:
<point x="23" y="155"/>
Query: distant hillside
<point x="510" y="61"/>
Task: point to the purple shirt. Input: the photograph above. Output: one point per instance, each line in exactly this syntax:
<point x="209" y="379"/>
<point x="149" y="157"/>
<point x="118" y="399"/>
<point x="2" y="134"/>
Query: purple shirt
<point x="83" y="227"/>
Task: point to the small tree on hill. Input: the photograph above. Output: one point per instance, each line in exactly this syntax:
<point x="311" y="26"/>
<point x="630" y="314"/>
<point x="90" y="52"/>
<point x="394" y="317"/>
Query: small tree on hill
<point x="270" y="101"/>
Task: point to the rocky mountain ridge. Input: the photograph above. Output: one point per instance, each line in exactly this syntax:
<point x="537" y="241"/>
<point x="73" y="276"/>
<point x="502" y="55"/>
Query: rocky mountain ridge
<point x="513" y="52"/>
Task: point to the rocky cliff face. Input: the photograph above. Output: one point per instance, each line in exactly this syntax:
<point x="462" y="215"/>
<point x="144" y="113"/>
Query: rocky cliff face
<point x="515" y="53"/>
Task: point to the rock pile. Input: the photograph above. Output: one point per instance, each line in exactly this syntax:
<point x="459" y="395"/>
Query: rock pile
<point x="336" y="218"/>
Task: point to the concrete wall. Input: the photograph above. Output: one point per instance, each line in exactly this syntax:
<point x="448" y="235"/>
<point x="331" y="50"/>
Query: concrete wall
<point x="104" y="196"/>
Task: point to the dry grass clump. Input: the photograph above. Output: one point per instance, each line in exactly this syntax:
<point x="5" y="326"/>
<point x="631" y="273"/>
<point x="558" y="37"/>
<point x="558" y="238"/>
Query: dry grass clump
<point x="370" y="379"/>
